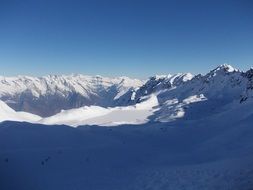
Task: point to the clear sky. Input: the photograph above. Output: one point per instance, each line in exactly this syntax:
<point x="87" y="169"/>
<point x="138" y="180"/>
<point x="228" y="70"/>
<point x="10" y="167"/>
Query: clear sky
<point x="137" y="38"/>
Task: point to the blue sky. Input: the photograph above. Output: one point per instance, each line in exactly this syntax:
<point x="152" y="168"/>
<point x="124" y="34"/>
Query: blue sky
<point x="137" y="38"/>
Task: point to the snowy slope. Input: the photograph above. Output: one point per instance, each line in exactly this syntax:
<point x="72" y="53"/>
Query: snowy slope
<point x="8" y="114"/>
<point x="209" y="153"/>
<point x="95" y="115"/>
<point x="201" y="96"/>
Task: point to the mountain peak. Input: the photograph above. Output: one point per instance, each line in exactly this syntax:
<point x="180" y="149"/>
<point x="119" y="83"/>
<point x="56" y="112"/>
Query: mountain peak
<point x="221" y="70"/>
<point x="225" y="67"/>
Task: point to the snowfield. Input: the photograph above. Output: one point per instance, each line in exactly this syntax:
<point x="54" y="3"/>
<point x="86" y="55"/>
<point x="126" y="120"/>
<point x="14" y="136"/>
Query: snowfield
<point x="88" y="115"/>
<point x="173" y="132"/>
<point x="95" y="115"/>
<point x="213" y="153"/>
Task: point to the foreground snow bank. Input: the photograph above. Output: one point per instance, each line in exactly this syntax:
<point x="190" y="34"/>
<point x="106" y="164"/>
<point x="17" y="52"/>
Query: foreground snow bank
<point x="214" y="153"/>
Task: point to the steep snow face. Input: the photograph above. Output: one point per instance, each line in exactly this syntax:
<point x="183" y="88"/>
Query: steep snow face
<point x="155" y="84"/>
<point x="95" y="115"/>
<point x="221" y="81"/>
<point x="6" y="113"/>
<point x="48" y="95"/>
<point x="222" y="69"/>
<point x="248" y="93"/>
<point x="173" y="109"/>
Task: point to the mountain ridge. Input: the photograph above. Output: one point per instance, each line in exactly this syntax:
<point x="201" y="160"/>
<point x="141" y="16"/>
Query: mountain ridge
<point x="24" y="93"/>
<point x="179" y="96"/>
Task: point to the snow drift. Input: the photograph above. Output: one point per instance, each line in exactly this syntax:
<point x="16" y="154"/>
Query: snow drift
<point x="95" y="115"/>
<point x="8" y="114"/>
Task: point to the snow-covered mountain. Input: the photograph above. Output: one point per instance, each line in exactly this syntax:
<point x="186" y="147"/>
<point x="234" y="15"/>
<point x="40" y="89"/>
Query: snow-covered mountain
<point x="80" y="100"/>
<point x="184" y="96"/>
<point x="193" y="132"/>
<point x="46" y="96"/>
<point x="203" y="95"/>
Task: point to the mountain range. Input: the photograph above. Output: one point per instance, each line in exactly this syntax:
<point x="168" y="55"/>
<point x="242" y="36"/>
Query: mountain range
<point x="170" y="132"/>
<point x="79" y="100"/>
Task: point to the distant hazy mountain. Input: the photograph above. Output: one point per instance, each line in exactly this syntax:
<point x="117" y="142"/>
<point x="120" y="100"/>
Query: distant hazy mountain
<point x="46" y="96"/>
